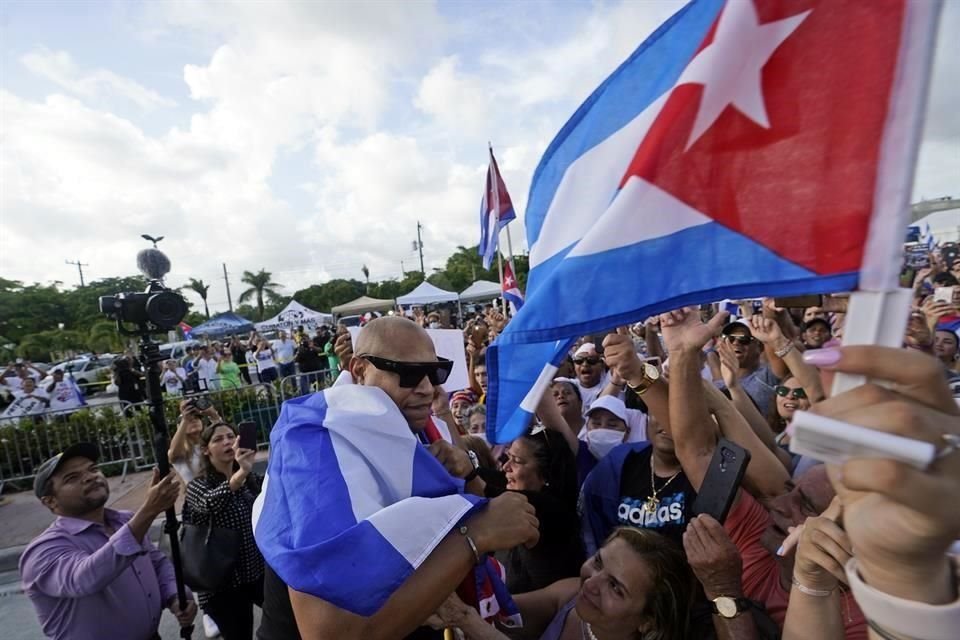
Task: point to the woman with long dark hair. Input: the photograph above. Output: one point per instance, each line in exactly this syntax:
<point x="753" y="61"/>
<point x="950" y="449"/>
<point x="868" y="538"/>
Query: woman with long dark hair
<point x="224" y="492"/>
<point x="541" y="466"/>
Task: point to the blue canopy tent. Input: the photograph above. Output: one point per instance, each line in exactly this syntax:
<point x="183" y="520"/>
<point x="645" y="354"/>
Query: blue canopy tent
<point x="222" y="324"/>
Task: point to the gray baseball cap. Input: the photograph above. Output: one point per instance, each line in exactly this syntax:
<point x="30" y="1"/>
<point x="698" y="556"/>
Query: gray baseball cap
<point x="48" y="468"/>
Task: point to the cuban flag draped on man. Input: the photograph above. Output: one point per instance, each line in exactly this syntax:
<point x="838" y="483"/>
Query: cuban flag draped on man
<point x="352" y="504"/>
<point x="746" y="148"/>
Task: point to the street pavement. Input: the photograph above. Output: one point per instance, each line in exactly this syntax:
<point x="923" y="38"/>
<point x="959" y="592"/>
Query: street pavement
<point x="22" y="518"/>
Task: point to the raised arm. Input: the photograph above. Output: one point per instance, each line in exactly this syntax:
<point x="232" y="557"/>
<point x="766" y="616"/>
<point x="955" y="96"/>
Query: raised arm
<point x="768" y="332"/>
<point x="690" y="423"/>
<point x="552" y="419"/>
<point x="744" y="404"/>
<point x="621" y="358"/>
<point x="766" y="474"/>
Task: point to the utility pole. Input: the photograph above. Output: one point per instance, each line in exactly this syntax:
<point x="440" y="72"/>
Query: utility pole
<point x="420" y="246"/>
<point x="226" y="280"/>
<point x="80" y="266"/>
<point x="402" y="270"/>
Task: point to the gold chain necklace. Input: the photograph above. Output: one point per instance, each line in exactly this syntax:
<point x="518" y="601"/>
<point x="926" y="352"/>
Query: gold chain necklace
<point x="650" y="506"/>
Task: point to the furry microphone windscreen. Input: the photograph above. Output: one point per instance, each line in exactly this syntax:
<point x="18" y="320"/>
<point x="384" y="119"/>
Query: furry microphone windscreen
<point x="153" y="263"/>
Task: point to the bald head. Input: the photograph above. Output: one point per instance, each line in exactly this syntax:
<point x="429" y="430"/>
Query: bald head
<point x="395" y="338"/>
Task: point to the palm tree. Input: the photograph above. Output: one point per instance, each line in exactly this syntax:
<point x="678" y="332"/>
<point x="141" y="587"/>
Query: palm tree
<point x="260" y="284"/>
<point x="201" y="290"/>
<point x="366" y="276"/>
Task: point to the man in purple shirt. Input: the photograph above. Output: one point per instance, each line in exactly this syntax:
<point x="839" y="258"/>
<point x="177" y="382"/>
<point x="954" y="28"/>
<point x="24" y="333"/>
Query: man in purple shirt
<point x="94" y="572"/>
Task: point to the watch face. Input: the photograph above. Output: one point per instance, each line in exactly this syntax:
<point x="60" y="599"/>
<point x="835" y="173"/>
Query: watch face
<point x="474" y="460"/>
<point x="651" y="372"/>
<point x="726" y="607"/>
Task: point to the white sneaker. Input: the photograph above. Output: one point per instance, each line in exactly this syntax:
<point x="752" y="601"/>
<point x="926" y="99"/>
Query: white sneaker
<point x="210" y="628"/>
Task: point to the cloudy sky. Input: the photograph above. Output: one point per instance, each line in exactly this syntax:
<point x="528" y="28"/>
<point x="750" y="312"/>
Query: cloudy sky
<point x="306" y="138"/>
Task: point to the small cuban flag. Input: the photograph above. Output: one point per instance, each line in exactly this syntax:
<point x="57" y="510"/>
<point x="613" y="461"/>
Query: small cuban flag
<point x="511" y="289"/>
<point x="496" y="210"/>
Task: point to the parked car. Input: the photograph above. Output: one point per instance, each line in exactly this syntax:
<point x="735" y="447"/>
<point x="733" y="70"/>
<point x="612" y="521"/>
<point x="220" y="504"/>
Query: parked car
<point x="177" y="350"/>
<point x="88" y="372"/>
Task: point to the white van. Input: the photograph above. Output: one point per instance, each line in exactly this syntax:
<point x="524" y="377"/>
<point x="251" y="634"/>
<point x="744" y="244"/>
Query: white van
<point x="177" y="350"/>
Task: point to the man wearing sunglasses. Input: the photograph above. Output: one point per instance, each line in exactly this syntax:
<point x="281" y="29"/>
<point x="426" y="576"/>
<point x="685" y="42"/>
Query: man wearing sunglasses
<point x="397" y="357"/>
<point x="758" y="381"/>
<point x="592" y="376"/>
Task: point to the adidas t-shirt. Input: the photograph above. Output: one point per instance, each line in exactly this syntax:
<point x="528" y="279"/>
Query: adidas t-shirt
<point x="676" y="498"/>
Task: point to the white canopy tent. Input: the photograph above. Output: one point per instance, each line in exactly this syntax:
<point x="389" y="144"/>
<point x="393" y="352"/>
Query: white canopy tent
<point x="295" y="315"/>
<point x="363" y="304"/>
<point x="480" y="290"/>
<point x="426" y="293"/>
<point x="944" y="225"/>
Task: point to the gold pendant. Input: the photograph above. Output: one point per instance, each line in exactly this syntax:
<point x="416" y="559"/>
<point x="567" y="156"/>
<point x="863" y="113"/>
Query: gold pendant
<point x="650" y="506"/>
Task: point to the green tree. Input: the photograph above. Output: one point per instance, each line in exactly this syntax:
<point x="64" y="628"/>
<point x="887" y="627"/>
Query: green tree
<point x="260" y="285"/>
<point x="201" y="289"/>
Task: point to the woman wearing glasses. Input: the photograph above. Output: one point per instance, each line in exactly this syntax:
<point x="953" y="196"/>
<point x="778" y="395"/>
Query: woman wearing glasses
<point x="224" y="493"/>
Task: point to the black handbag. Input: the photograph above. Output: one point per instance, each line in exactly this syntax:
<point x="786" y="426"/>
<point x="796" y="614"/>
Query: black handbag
<point x="208" y="554"/>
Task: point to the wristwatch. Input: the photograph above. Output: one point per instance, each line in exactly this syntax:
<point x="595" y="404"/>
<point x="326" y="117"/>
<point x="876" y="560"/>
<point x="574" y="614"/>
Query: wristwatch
<point x="475" y="461"/>
<point x="729" y="607"/>
<point x="650" y="375"/>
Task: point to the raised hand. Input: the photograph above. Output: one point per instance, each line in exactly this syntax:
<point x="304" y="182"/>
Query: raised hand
<point x="343" y="348"/>
<point x="621" y="358"/>
<point x="823" y="550"/>
<point x="905" y="556"/>
<point x="245" y="458"/>
<point x="713" y="557"/>
<point x="683" y="330"/>
<point x="729" y="364"/>
<point x="766" y="330"/>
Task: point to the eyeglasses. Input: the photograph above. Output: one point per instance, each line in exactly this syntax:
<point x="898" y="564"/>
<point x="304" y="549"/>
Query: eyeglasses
<point x="787" y="392"/>
<point x="592" y="360"/>
<point x="741" y="340"/>
<point x="411" y="373"/>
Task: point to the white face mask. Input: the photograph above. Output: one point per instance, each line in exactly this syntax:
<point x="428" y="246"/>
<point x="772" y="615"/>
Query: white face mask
<point x="602" y="441"/>
<point x="434" y="325"/>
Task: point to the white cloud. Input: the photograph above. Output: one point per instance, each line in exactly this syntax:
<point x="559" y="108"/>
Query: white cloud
<point x="60" y="68"/>
<point x="387" y="106"/>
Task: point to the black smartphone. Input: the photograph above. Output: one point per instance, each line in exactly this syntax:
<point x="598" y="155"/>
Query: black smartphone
<point x="723" y="478"/>
<point x="248" y="434"/>
<point x="797" y="302"/>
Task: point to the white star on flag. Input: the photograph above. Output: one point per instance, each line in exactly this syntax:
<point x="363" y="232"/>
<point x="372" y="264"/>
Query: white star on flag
<point x="729" y="68"/>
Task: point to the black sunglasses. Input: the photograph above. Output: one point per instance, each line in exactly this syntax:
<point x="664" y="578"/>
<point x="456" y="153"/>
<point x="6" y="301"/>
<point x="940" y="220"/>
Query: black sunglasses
<point x="742" y="340"/>
<point x="796" y="394"/>
<point x="411" y="373"/>
<point x="591" y="360"/>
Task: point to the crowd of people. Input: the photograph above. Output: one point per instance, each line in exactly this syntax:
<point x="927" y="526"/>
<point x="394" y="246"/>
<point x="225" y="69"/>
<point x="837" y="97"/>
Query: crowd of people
<point x="236" y="361"/>
<point x="589" y="514"/>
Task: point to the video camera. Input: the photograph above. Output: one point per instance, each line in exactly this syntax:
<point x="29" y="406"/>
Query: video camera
<point x="157" y="309"/>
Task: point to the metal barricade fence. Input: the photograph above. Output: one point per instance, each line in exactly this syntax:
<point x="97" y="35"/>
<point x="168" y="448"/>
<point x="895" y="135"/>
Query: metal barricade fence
<point x="302" y="384"/>
<point x="27" y="441"/>
<point x="122" y="430"/>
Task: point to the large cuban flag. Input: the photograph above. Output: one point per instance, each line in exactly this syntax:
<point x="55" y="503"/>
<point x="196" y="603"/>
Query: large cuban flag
<point x="747" y="148"/>
<point x="352" y="503"/>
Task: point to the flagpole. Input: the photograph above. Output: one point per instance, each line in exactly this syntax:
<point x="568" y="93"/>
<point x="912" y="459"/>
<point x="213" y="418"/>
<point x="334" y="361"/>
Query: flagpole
<point x="503" y="300"/>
